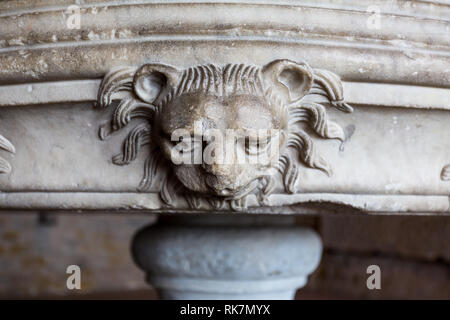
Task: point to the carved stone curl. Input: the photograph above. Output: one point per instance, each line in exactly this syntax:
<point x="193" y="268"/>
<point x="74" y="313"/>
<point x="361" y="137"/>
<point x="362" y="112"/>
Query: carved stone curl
<point x="5" y="167"/>
<point x="285" y="99"/>
<point x="445" y="173"/>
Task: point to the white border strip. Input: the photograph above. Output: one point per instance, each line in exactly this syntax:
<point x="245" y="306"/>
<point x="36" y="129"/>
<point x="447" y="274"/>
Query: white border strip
<point x="49" y="92"/>
<point x="360" y="93"/>
<point x="393" y="95"/>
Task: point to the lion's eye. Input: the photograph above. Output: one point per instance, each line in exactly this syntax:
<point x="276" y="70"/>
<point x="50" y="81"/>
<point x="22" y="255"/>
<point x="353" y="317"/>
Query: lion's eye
<point x="184" y="145"/>
<point x="190" y="145"/>
<point x="256" y="146"/>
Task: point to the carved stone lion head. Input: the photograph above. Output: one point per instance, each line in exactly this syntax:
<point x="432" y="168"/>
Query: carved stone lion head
<point x="275" y="101"/>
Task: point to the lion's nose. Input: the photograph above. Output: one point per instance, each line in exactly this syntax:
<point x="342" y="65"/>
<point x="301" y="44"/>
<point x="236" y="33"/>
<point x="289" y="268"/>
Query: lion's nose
<point x="218" y="169"/>
<point x="220" y="185"/>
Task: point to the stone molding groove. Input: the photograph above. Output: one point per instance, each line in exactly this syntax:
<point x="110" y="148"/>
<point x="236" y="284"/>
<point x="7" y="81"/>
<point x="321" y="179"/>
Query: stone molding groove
<point x="299" y="17"/>
<point x="356" y="93"/>
<point x="411" y="37"/>
<point x="299" y="203"/>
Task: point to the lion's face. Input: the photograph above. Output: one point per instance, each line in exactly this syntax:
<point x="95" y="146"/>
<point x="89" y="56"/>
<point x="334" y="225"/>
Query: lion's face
<point x="236" y="137"/>
<point x="219" y="130"/>
<point x="222" y="128"/>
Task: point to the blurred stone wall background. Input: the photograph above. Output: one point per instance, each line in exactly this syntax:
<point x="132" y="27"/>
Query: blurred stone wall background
<point x="36" y="248"/>
<point x="413" y="253"/>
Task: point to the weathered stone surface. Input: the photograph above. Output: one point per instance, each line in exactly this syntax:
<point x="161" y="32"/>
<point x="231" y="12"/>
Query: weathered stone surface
<point x="393" y="149"/>
<point x="381" y="169"/>
<point x="334" y="34"/>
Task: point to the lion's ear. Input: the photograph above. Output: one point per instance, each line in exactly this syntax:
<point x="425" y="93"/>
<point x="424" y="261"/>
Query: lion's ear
<point x="151" y="80"/>
<point x="289" y="80"/>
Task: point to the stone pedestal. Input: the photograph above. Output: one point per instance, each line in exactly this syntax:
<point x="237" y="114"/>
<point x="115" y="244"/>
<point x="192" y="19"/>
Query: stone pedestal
<point x="226" y="257"/>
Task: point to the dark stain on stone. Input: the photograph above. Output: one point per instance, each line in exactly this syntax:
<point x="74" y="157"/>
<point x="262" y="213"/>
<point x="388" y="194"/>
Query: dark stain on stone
<point x="33" y="262"/>
<point x="16" y="249"/>
<point x="10" y="236"/>
<point x="348" y="131"/>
